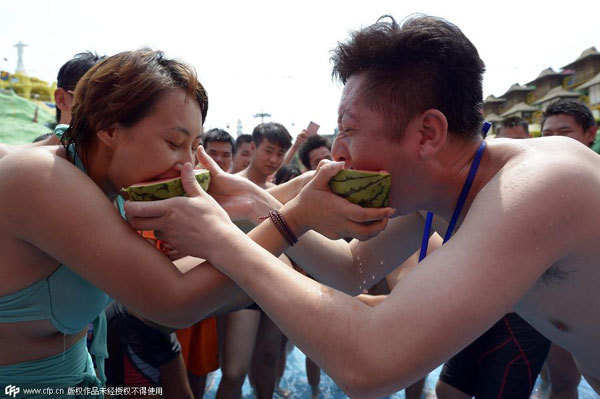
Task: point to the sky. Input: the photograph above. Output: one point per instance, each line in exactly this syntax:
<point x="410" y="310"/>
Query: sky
<point x="273" y="56"/>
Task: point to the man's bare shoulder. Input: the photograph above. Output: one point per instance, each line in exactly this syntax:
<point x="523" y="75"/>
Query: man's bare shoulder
<point x="553" y="181"/>
<point x="545" y="163"/>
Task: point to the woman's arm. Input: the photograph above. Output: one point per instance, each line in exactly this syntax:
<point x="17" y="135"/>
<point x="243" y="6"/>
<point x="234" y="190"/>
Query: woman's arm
<point x="51" y="205"/>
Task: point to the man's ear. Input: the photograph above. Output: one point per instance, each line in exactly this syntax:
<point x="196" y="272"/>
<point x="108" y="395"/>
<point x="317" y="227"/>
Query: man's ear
<point x="108" y="136"/>
<point x="432" y="127"/>
<point x="59" y="98"/>
<point x="590" y="134"/>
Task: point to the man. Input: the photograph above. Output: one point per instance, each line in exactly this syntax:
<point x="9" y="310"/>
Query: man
<point x="68" y="76"/>
<point x="514" y="128"/>
<point x="512" y="345"/>
<point x="314" y="149"/>
<point x="271" y="141"/>
<point x="520" y="234"/>
<point x="572" y="119"/>
<point x="243" y="152"/>
<point x="219" y="146"/>
<point x="251" y="340"/>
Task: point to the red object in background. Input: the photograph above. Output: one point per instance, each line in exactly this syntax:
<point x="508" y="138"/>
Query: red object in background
<point x="151" y="238"/>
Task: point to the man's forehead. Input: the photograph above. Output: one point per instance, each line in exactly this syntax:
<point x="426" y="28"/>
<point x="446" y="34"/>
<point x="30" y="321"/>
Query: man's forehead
<point x="266" y="143"/>
<point x="219" y="144"/>
<point x="351" y="98"/>
<point x="560" y="121"/>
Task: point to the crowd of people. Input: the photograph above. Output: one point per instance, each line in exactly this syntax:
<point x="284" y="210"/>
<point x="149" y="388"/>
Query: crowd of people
<point x="270" y="258"/>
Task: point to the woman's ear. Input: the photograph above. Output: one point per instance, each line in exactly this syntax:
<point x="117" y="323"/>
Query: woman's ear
<point x="433" y="128"/>
<point x="108" y="136"/>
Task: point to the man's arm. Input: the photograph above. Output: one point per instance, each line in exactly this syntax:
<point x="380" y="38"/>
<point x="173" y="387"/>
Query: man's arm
<point x="288" y="190"/>
<point x="452" y="297"/>
<point x="301" y="138"/>
<point x="352" y="267"/>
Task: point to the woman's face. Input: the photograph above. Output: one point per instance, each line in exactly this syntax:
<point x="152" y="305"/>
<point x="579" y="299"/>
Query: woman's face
<point x="158" y="145"/>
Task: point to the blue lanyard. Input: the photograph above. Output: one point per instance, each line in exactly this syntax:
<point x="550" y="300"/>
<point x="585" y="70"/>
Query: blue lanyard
<point x="459" y="205"/>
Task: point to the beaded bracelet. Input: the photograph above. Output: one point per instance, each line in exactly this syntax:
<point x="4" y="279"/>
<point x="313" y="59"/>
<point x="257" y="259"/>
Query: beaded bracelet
<point x="281" y="225"/>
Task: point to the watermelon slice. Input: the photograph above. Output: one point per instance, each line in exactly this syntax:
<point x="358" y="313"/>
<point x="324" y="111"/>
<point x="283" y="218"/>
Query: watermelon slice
<point x="365" y="188"/>
<point x="163" y="189"/>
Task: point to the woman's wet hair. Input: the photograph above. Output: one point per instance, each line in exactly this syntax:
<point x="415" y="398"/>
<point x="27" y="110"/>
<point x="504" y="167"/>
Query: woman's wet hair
<point x="123" y="89"/>
<point x="423" y="63"/>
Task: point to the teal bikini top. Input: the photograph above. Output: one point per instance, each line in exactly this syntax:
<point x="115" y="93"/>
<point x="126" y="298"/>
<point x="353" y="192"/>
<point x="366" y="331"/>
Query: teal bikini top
<point x="67" y="300"/>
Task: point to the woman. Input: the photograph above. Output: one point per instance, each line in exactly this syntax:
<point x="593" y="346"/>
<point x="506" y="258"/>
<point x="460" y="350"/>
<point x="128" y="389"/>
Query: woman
<point x="66" y="251"/>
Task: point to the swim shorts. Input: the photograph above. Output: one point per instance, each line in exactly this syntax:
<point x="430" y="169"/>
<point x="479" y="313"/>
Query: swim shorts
<point x="200" y="346"/>
<point x="136" y="350"/>
<point x="503" y="363"/>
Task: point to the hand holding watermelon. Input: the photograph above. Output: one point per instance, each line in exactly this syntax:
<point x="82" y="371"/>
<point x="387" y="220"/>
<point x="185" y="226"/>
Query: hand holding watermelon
<point x="316" y="207"/>
<point x="242" y="199"/>
<point x="184" y="222"/>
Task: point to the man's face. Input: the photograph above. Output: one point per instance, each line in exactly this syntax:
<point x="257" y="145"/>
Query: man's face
<point x="365" y="142"/>
<point x="242" y="157"/>
<point x="268" y="157"/>
<point x="515" y="132"/>
<point x="221" y="152"/>
<point x="316" y="155"/>
<point x="565" y="125"/>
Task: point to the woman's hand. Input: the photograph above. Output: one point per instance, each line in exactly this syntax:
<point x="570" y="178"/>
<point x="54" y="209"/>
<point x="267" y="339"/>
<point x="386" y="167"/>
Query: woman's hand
<point x="316" y="207"/>
<point x="195" y="225"/>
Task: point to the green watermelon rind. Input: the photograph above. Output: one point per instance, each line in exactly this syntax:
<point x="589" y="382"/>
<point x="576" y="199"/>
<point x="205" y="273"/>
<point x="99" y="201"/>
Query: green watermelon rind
<point x="164" y="190"/>
<point x="364" y="188"/>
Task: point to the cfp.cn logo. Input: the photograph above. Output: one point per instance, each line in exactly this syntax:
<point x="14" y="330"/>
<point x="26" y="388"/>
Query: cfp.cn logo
<point x="12" y="390"/>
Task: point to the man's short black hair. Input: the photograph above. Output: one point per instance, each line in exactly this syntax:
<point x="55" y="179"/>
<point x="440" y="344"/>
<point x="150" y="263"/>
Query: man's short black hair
<point x="70" y="73"/>
<point x="426" y="62"/>
<point x="514" y="121"/>
<point x="579" y="111"/>
<point x="275" y="133"/>
<point x="286" y="172"/>
<point x="311" y="143"/>
<point x="241" y="139"/>
<point x="218" y="135"/>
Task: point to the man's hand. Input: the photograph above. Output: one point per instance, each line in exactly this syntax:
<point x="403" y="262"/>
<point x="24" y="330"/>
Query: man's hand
<point x="316" y="207"/>
<point x="242" y="199"/>
<point x="301" y="138"/>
